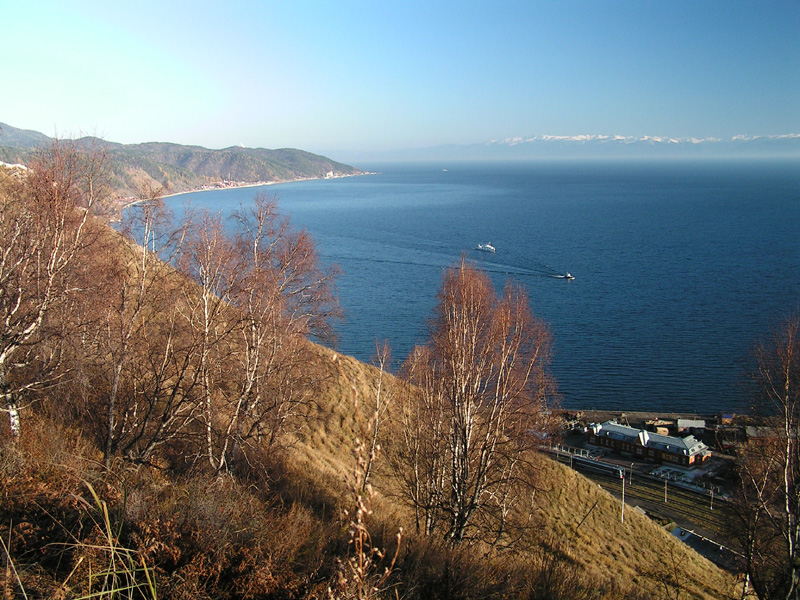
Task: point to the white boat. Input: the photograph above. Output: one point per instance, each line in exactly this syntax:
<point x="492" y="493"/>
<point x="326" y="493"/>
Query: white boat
<point x="568" y="275"/>
<point x="487" y="247"/>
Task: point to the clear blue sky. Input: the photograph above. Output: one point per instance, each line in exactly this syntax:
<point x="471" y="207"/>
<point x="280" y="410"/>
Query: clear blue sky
<point x="341" y="76"/>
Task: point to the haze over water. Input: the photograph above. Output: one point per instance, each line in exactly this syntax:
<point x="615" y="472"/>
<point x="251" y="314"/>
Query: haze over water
<point x="678" y="266"/>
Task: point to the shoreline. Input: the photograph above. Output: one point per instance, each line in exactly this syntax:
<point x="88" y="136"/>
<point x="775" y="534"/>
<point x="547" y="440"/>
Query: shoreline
<point x="129" y="201"/>
<point x="245" y="184"/>
<point x="231" y="187"/>
<point x="622" y="416"/>
<point x="732" y="425"/>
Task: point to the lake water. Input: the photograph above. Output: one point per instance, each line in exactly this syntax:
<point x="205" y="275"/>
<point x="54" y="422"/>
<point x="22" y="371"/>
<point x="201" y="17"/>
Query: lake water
<point x="679" y="266"/>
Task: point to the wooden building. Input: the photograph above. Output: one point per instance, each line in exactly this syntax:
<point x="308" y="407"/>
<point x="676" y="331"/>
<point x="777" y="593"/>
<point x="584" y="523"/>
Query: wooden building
<point x="647" y="445"/>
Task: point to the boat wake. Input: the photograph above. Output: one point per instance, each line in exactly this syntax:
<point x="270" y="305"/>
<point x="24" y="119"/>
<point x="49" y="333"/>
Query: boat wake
<point x="440" y="258"/>
<point x="536" y="268"/>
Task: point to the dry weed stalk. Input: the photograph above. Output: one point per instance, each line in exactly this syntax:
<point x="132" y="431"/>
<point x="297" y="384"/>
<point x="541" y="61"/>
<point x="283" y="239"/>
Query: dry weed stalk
<point x="124" y="573"/>
<point x="359" y="576"/>
<point x="8" y="592"/>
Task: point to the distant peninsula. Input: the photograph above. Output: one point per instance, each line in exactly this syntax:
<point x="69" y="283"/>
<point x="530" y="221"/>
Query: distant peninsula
<point x="177" y="168"/>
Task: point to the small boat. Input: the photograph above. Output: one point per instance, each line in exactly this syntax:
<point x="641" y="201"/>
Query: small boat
<point x="487" y="247"/>
<point x="568" y="275"/>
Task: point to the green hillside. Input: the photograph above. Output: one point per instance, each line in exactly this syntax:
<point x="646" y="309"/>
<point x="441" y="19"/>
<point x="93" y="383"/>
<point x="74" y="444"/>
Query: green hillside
<point x="179" y="168"/>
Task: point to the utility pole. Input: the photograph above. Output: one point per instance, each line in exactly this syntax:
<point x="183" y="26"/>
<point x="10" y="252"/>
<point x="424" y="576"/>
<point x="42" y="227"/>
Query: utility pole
<point x="665" y="490"/>
<point x="622" y="514"/>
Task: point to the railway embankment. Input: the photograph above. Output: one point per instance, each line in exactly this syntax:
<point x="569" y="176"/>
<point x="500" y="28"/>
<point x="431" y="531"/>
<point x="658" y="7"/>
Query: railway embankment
<point x="689" y="498"/>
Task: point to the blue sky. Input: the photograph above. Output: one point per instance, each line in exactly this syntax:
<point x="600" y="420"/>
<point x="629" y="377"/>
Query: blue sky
<point x="357" y="77"/>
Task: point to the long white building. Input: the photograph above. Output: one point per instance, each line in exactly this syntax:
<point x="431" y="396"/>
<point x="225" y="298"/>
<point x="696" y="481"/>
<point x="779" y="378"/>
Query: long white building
<point x="648" y="445"/>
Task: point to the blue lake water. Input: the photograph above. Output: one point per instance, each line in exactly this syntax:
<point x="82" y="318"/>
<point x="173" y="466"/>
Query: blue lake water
<point x="679" y="266"/>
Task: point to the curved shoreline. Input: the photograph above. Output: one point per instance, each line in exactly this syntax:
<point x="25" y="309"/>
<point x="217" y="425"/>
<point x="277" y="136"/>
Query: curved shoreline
<point x="244" y="184"/>
<point x="237" y="185"/>
<point x="228" y="187"/>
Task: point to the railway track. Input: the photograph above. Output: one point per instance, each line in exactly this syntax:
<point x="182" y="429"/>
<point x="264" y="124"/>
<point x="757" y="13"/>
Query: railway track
<point x="688" y="508"/>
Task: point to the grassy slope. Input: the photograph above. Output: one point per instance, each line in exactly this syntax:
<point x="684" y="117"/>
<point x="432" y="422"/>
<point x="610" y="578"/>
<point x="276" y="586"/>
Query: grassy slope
<point x="639" y="553"/>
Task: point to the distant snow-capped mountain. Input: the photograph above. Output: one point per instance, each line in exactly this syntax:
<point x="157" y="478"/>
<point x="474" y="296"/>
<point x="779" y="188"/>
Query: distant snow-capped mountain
<point x="622" y="139"/>
<point x="610" y="146"/>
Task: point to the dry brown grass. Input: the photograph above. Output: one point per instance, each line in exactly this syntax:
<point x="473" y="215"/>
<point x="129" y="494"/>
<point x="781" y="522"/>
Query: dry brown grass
<point x="326" y="444"/>
<point x="639" y="551"/>
<point x="202" y="536"/>
<point x="633" y="559"/>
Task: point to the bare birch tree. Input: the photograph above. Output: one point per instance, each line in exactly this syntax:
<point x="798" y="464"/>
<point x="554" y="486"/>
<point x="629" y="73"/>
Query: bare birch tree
<point x="383" y="398"/>
<point x="208" y="259"/>
<point x="418" y="453"/>
<point x="483" y="390"/>
<point x="134" y="379"/>
<point x="263" y="293"/>
<point x="768" y="498"/>
<point x="43" y="232"/>
<point x="145" y="357"/>
<point x="285" y="296"/>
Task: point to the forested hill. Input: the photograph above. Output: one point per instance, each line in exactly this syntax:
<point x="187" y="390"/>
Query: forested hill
<point x="180" y="168"/>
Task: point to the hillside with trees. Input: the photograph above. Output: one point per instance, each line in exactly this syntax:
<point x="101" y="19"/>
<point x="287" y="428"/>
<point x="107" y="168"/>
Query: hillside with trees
<point x="177" y="168"/>
<point x="175" y="429"/>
